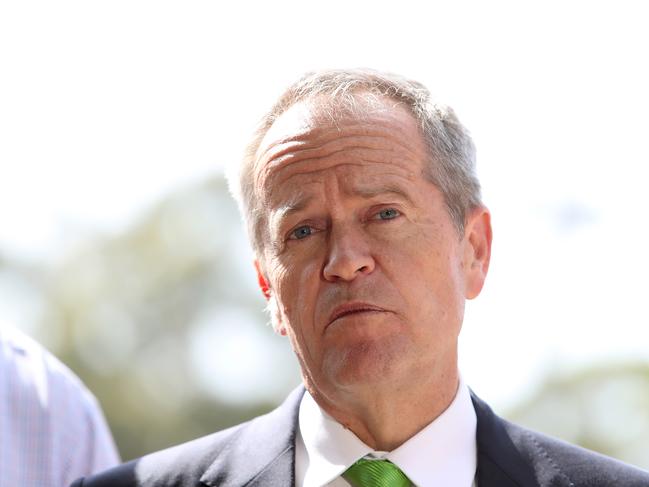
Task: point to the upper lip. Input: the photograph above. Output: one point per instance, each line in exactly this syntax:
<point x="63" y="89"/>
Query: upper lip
<point x="352" y="307"/>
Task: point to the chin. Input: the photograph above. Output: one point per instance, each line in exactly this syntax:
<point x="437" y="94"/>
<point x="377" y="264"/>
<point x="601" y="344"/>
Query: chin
<point x="366" y="363"/>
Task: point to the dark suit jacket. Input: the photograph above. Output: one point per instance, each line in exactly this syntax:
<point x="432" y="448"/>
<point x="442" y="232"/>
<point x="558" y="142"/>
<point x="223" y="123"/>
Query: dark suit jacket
<point x="261" y="453"/>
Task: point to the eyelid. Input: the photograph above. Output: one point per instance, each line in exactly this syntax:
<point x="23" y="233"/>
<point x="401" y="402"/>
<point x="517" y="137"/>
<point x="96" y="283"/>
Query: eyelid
<point x="375" y="211"/>
<point x="289" y="234"/>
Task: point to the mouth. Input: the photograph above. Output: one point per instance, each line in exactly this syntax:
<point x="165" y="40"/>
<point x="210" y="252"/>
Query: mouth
<point x="348" y="309"/>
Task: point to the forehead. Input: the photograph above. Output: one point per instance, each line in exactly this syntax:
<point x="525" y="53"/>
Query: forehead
<point x="374" y="140"/>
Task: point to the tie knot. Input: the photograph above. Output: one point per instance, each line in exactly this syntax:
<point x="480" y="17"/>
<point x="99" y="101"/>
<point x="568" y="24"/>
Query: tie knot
<point x="376" y="473"/>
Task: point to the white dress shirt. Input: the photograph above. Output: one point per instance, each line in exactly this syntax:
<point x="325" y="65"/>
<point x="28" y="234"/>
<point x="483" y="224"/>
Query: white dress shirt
<point x="51" y="428"/>
<point x="443" y="454"/>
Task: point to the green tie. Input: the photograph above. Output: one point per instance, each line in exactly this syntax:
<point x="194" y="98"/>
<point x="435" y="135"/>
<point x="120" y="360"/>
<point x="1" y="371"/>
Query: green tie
<point x="376" y="473"/>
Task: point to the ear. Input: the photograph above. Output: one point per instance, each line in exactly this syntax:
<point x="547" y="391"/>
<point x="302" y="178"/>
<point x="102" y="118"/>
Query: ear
<point x="477" y="250"/>
<point x="261" y="279"/>
<point x="273" y="308"/>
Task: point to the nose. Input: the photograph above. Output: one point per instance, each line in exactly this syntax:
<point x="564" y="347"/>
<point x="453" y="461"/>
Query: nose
<point x="348" y="255"/>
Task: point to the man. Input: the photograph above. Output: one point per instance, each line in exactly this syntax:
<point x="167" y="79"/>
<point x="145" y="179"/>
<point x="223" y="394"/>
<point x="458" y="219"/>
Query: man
<point x="51" y="428"/>
<point x="365" y="216"/>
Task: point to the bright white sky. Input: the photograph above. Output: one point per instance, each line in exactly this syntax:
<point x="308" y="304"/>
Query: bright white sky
<point x="107" y="106"/>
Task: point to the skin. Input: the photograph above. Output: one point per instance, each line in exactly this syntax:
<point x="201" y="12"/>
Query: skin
<point x="366" y="273"/>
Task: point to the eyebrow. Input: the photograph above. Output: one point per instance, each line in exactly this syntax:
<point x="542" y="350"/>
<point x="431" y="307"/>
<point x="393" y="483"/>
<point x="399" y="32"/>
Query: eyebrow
<point x="373" y="191"/>
<point x="300" y="201"/>
<point x="296" y="204"/>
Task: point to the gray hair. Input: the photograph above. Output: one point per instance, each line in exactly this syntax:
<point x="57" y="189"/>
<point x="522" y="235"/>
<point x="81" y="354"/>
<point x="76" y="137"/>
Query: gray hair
<point x="452" y="153"/>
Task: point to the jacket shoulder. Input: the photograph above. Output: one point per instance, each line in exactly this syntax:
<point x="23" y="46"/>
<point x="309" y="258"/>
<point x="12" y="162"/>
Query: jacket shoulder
<point x="552" y="458"/>
<point x="259" y="449"/>
<point x="181" y="465"/>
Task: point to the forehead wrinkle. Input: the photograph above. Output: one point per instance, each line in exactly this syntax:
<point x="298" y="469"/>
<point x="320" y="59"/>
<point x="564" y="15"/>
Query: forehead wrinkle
<point x="302" y="199"/>
<point x="291" y="148"/>
<point x="272" y="176"/>
<point x="285" y="152"/>
<point x="313" y="175"/>
<point x="296" y="157"/>
<point x="369" y="183"/>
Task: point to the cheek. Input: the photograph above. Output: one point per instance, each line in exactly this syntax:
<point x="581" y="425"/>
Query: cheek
<point x="297" y="295"/>
<point x="297" y="285"/>
<point x="426" y="271"/>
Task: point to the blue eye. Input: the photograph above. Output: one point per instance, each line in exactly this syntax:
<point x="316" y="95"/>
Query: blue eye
<point x="387" y="214"/>
<point x="301" y="232"/>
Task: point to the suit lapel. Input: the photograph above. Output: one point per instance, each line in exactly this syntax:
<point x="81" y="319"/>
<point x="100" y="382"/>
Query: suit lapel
<point x="279" y="473"/>
<point x="500" y="463"/>
<point x="262" y="452"/>
<point x="490" y="474"/>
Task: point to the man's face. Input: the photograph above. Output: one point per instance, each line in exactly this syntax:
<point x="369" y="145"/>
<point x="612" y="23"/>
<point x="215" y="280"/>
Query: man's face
<point x="368" y="273"/>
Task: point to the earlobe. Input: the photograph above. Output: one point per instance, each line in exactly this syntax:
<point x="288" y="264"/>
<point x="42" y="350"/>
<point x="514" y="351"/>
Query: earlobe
<point x="275" y="317"/>
<point x="263" y="283"/>
<point x="477" y="251"/>
<point x="281" y="330"/>
<point x="273" y="307"/>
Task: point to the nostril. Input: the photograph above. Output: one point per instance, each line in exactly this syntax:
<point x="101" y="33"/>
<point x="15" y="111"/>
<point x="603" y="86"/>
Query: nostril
<point x="348" y="256"/>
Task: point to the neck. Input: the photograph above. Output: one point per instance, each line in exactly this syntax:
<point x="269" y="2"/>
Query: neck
<point x="385" y="416"/>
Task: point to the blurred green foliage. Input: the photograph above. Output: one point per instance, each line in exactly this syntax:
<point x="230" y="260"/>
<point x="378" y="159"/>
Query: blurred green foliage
<point x="122" y="311"/>
<point x="604" y="408"/>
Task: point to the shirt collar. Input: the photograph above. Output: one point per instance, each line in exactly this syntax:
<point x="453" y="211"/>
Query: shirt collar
<point x="443" y="453"/>
<point x="331" y="448"/>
